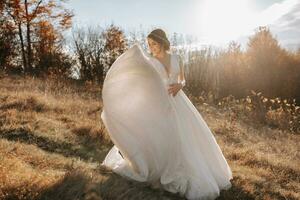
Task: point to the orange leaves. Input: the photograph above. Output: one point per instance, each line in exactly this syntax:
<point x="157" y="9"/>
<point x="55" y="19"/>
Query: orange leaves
<point x="37" y="10"/>
<point x="40" y="14"/>
<point x="66" y="19"/>
<point x="40" y="25"/>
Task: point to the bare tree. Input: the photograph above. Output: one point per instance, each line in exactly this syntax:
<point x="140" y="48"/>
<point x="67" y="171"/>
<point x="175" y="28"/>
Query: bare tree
<point x="96" y="49"/>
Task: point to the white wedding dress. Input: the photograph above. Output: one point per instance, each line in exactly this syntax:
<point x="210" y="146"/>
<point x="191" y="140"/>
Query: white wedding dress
<point x="162" y="139"/>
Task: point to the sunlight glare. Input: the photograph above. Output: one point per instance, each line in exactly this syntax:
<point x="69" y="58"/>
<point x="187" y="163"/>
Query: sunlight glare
<point x="220" y="21"/>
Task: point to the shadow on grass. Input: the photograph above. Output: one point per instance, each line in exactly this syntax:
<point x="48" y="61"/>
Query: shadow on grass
<point x="74" y="185"/>
<point x="86" y="150"/>
<point x="102" y="183"/>
<point x="236" y="192"/>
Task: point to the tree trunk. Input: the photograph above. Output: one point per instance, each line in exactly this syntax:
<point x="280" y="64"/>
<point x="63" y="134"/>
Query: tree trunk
<point x="29" y="50"/>
<point x="22" y="47"/>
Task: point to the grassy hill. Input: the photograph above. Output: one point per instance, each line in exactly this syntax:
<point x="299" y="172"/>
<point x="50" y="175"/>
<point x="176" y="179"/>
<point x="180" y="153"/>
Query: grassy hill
<point x="52" y="142"/>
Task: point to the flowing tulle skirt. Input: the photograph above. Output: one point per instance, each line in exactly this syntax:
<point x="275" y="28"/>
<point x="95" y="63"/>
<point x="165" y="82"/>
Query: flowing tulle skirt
<point x="163" y="139"/>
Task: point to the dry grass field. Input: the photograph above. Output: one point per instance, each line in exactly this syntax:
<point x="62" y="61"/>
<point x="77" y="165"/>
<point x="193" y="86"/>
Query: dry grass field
<point x="52" y="142"/>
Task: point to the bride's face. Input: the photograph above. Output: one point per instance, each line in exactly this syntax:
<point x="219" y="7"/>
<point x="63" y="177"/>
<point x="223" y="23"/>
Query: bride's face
<point x="154" y="47"/>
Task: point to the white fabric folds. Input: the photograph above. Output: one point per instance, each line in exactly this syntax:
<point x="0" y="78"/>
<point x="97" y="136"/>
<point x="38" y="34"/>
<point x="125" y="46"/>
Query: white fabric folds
<point x="162" y="138"/>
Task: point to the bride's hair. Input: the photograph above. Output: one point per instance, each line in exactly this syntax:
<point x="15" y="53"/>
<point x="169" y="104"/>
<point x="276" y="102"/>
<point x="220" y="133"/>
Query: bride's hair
<point x="160" y="36"/>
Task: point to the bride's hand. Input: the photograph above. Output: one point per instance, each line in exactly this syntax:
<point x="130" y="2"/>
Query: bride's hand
<point x="174" y="88"/>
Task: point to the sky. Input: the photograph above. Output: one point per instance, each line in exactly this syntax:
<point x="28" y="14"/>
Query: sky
<point x="213" y="22"/>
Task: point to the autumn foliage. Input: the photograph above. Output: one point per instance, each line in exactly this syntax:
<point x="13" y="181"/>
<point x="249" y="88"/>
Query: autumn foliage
<point x="264" y="66"/>
<point x="36" y="22"/>
<point x="32" y="42"/>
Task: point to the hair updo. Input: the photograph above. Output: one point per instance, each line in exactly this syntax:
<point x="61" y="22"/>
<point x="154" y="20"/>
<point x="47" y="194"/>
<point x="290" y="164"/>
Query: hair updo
<point x="160" y="36"/>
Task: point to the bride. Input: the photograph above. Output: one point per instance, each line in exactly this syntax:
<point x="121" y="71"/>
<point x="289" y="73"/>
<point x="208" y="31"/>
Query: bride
<point x="159" y="136"/>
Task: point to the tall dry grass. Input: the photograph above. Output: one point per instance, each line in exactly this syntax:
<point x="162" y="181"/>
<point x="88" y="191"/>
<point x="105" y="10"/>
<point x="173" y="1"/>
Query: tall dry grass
<point x="52" y="142"/>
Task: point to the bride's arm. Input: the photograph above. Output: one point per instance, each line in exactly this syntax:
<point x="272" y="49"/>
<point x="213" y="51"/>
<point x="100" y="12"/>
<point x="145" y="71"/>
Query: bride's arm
<point x="176" y="87"/>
